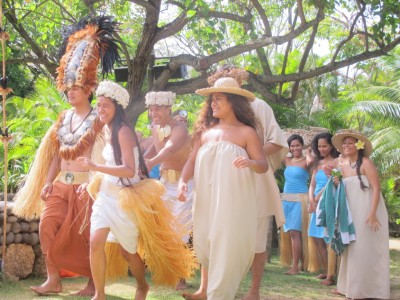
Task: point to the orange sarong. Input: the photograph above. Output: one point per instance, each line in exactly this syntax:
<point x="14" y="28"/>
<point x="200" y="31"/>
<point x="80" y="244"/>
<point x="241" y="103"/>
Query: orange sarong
<point x="62" y="241"/>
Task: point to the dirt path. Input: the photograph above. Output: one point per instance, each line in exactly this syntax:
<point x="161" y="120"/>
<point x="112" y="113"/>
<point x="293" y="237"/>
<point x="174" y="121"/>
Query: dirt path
<point x="394" y="244"/>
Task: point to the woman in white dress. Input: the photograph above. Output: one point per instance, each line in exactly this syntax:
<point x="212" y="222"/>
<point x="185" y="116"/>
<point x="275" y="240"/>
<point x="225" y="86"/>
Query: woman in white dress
<point x="109" y="222"/>
<point x="226" y="154"/>
<point x="364" y="268"/>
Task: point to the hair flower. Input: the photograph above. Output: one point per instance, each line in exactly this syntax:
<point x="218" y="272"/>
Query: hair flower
<point x="360" y="145"/>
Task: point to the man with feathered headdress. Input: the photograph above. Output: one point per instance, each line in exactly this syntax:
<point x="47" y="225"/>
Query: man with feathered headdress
<point x="54" y="186"/>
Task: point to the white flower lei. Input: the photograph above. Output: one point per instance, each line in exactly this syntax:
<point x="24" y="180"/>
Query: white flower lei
<point x="160" y="98"/>
<point x="114" y="91"/>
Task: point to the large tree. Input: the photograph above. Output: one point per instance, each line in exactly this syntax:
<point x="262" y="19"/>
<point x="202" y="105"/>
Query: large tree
<point x="279" y="42"/>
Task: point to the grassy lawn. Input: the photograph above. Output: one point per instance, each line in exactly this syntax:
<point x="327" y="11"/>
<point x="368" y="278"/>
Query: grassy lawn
<point x="275" y="286"/>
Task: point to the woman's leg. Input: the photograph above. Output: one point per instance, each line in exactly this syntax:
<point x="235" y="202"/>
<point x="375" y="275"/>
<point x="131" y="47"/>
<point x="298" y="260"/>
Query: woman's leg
<point x="323" y="254"/>
<point x="297" y="251"/>
<point x="136" y="266"/>
<point x="98" y="261"/>
<point x="201" y="293"/>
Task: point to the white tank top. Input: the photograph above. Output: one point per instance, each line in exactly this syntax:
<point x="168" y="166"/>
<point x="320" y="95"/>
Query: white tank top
<point x="108" y="155"/>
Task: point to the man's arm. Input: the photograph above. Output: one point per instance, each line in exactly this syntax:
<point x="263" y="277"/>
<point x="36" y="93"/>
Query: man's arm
<point x="271" y="148"/>
<point x="176" y="141"/>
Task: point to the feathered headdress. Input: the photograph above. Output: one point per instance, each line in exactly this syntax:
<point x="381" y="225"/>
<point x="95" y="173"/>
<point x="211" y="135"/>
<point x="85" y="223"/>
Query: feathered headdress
<point x="239" y="75"/>
<point x="86" y="43"/>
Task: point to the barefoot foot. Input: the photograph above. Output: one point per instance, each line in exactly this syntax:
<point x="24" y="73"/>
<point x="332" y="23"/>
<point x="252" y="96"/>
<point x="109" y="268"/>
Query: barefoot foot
<point x="321" y="276"/>
<point x="99" y="296"/>
<point x="199" y="295"/>
<point x="49" y="287"/>
<point x="292" y="271"/>
<point x="336" y="292"/>
<point x="89" y="290"/>
<point x="181" y="285"/>
<point x="141" y="292"/>
<point x="328" y="281"/>
<point x="251" y="296"/>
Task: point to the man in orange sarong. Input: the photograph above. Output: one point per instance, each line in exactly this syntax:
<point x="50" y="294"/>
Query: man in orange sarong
<point x="55" y="177"/>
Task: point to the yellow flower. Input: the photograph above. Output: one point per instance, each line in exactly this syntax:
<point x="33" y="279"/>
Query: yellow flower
<point x="360" y="145"/>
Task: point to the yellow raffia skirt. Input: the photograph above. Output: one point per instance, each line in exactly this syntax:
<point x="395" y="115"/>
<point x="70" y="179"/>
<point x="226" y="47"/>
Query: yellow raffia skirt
<point x="160" y="242"/>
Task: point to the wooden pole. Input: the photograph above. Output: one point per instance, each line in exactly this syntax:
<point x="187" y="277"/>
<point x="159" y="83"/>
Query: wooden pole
<point x="5" y="138"/>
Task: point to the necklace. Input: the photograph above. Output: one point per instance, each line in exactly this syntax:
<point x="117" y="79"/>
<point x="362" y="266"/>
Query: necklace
<point x="163" y="132"/>
<point x="70" y="124"/>
<point x="353" y="166"/>
<point x="297" y="159"/>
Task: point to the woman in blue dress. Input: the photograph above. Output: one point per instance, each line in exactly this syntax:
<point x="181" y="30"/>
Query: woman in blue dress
<point x="295" y="196"/>
<point x="326" y="160"/>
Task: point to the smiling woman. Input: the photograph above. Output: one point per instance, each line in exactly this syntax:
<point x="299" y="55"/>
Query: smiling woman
<point x="228" y="149"/>
<point x="370" y="250"/>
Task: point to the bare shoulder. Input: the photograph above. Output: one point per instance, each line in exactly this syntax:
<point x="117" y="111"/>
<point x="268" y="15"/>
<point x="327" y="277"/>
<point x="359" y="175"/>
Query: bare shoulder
<point x="248" y="130"/>
<point x="125" y="134"/>
<point x="179" y="128"/>
<point x="367" y="164"/>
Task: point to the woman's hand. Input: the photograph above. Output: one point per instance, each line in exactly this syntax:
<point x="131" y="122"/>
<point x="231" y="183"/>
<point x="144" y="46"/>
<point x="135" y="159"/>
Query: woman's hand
<point x="336" y="180"/>
<point x="373" y="222"/>
<point x="46" y="191"/>
<point x="182" y="191"/>
<point x="242" y="162"/>
<point x="82" y="188"/>
<point x="86" y="163"/>
<point x="312" y="206"/>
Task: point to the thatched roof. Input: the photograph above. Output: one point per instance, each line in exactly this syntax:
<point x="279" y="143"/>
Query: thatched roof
<point x="307" y="133"/>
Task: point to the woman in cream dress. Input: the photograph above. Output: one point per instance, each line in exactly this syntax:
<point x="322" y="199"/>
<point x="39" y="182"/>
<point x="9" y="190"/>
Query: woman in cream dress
<point x="364" y="269"/>
<point x="226" y="155"/>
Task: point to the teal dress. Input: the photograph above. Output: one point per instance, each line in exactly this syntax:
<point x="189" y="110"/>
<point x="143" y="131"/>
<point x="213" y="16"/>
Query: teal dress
<point x="313" y="230"/>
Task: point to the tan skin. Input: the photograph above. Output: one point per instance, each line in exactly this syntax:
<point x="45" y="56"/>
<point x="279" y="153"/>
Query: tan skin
<point x="367" y="168"/>
<point x="326" y="164"/>
<point x="228" y="129"/>
<point x="298" y="160"/>
<point x="106" y="109"/>
<point x="79" y="100"/>
<point x="350" y="152"/>
<point x="173" y="151"/>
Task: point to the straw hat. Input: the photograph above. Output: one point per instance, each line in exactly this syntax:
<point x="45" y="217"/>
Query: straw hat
<point x="226" y="85"/>
<point x="337" y="140"/>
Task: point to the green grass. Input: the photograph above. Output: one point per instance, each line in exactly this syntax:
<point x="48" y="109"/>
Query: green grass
<point x="275" y="285"/>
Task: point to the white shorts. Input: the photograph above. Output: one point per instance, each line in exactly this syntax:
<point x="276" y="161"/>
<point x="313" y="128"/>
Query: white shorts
<point x="264" y="227"/>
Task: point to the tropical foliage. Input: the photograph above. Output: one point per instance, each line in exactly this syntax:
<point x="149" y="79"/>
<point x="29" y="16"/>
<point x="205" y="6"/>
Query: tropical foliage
<point x="282" y="43"/>
<point x="29" y="119"/>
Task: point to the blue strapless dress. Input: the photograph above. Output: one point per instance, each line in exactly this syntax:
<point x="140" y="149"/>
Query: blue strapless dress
<point x="313" y="230"/>
<point x="296" y="182"/>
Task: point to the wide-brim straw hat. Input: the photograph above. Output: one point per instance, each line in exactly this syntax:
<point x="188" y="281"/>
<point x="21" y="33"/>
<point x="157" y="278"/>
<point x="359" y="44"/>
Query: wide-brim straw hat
<point x="337" y="140"/>
<point x="226" y="85"/>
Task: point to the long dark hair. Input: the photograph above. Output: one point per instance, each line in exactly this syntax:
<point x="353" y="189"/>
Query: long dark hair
<point x="241" y="108"/>
<point x="360" y="155"/>
<point x="314" y="146"/>
<point x="120" y="119"/>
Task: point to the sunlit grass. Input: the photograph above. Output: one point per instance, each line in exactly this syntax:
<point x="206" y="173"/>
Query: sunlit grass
<point x="275" y="285"/>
